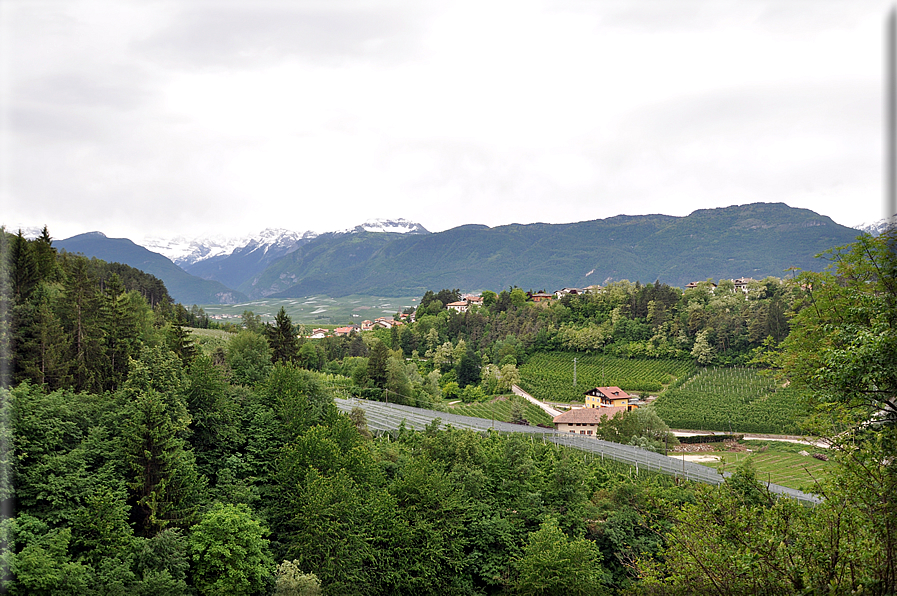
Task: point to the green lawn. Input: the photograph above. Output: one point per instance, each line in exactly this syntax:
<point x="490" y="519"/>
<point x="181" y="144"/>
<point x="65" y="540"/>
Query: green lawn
<point x="777" y="462"/>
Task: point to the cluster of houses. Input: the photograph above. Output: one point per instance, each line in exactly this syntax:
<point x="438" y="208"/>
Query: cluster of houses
<point x="468" y="300"/>
<point x="378" y="323"/>
<point x="741" y="284"/>
<point x="599" y="402"/>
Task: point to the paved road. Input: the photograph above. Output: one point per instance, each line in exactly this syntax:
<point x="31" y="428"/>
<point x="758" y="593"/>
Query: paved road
<point x="548" y="409"/>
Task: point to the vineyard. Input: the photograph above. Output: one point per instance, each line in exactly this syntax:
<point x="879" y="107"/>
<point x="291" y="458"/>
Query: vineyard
<point x="731" y="400"/>
<point x="549" y="376"/>
<point x="501" y="410"/>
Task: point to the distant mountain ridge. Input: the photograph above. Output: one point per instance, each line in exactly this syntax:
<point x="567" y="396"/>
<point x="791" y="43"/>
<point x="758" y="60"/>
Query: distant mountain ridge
<point x="246" y="261"/>
<point x="401" y="258"/>
<point x="753" y="240"/>
<point x="183" y="287"/>
<point x="186" y="251"/>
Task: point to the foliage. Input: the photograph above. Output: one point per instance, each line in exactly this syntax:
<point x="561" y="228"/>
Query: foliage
<point x="553" y="564"/>
<point x="229" y="552"/>
<point x="292" y="582"/>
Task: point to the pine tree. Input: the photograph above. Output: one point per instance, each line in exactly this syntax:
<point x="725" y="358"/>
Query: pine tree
<point x="45" y="256"/>
<point x="164" y="481"/>
<point x="23" y="268"/>
<point x="41" y="353"/>
<point x="80" y="317"/>
<point x="282" y="338"/>
<point x="120" y="331"/>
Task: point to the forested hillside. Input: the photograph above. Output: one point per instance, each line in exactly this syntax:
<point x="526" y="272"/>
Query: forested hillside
<point x="185" y="288"/>
<point x="140" y="461"/>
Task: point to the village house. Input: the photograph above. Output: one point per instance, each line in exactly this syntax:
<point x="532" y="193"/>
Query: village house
<point x="339" y="331"/>
<point x="694" y="284"/>
<point x="565" y="291"/>
<point x="585" y="421"/>
<point x="610" y="397"/>
<point x="742" y="284"/>
<point x="541" y="297"/>
<point x="460" y="306"/>
<point x="474" y="300"/>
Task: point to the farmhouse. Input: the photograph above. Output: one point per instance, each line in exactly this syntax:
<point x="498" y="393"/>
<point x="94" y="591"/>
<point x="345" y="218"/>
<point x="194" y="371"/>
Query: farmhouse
<point x="460" y="306"/>
<point x="565" y="291"/>
<point x="585" y="421"/>
<point x="742" y="284"/>
<point x="609" y="397"/>
<point x="346" y="330"/>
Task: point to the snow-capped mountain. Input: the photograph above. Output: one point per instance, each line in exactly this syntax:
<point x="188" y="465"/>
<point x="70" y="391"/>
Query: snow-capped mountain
<point x="186" y="251"/>
<point x="395" y="226"/>
<point x="877" y="227"/>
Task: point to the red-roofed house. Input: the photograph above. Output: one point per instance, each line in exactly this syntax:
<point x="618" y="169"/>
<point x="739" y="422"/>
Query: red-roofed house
<point x="608" y="397"/>
<point x="584" y="421"/>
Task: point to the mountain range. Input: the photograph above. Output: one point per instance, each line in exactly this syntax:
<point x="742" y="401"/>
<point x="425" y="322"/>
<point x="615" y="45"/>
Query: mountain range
<point x="399" y="258"/>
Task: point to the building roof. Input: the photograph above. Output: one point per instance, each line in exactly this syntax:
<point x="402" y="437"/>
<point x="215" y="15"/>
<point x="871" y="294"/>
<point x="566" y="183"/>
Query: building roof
<point x="459" y="303"/>
<point x="609" y="392"/>
<point x="588" y="415"/>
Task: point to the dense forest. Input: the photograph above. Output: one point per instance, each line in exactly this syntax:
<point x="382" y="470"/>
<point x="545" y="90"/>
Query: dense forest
<point x="139" y="461"/>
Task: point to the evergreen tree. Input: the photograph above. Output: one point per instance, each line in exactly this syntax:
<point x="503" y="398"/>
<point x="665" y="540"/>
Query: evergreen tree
<point x="120" y="331"/>
<point x="42" y="345"/>
<point x="45" y="256"/>
<point x="164" y="484"/>
<point x="23" y="273"/>
<point x="80" y="318"/>
<point x="282" y="338"/>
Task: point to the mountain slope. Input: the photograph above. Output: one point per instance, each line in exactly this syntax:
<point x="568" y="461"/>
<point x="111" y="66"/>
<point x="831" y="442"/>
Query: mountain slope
<point x="250" y="259"/>
<point x="183" y="287"/>
<point x="748" y="240"/>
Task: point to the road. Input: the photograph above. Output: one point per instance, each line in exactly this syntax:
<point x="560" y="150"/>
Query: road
<point x="548" y="409"/>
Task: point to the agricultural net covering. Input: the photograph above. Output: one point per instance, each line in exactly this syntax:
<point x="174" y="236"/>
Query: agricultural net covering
<point x="388" y="417"/>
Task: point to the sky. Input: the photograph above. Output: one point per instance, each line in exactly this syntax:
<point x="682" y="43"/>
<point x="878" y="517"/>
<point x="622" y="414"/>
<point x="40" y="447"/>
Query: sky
<point x="191" y="118"/>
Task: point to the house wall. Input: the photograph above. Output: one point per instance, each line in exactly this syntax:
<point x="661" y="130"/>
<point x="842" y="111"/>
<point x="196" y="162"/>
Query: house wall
<point x="583" y="428"/>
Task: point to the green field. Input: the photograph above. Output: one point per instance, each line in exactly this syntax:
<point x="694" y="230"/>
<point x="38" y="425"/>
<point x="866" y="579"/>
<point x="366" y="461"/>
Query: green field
<point x="778" y="462"/>
<point x="499" y="409"/>
<point x="549" y="376"/>
<point x="315" y="310"/>
<point x="732" y="400"/>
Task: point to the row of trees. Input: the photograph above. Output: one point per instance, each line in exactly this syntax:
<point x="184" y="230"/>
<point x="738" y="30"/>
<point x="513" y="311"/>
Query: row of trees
<point x="712" y="325"/>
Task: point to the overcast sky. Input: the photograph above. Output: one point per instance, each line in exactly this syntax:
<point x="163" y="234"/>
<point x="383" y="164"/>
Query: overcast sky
<point x="192" y="118"/>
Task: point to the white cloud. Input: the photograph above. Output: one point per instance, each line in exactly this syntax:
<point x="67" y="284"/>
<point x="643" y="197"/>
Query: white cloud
<point x="161" y="118"/>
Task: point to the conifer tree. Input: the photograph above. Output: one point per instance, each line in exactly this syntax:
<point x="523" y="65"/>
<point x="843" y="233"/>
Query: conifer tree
<point x="282" y="338"/>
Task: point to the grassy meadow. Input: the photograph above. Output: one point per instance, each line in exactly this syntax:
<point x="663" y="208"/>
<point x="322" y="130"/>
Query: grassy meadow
<point x="777" y="462"/>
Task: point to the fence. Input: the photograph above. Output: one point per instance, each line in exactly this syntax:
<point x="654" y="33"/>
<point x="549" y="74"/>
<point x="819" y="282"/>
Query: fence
<point x="386" y="417"/>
